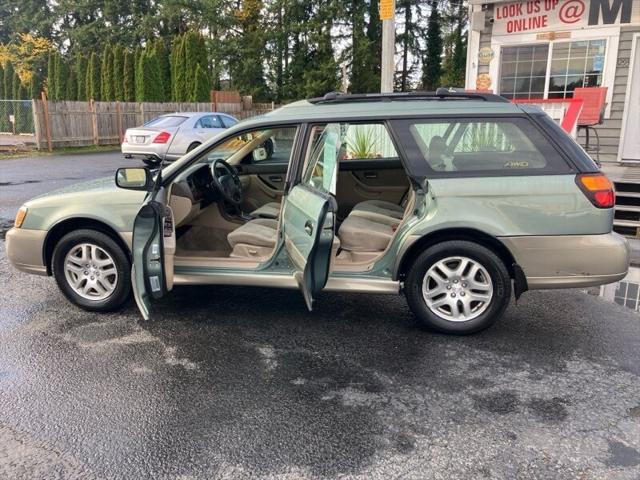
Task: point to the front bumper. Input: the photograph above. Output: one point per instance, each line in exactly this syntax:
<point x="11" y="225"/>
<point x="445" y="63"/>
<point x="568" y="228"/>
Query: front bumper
<point x="570" y="261"/>
<point x="25" y="250"/>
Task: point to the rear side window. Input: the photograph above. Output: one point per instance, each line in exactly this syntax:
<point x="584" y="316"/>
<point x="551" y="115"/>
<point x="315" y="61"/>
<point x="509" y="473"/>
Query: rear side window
<point x="208" y="121"/>
<point x="499" y="146"/>
<point x="228" y="121"/>
<point x="165" y="121"/>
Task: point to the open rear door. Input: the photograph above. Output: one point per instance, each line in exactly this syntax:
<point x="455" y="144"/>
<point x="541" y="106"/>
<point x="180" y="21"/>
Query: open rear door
<point x="309" y="212"/>
<point x="153" y="249"/>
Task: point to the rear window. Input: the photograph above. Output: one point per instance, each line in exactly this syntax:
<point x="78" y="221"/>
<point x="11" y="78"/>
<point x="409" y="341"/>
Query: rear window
<point x="471" y="146"/>
<point x="165" y="121"/>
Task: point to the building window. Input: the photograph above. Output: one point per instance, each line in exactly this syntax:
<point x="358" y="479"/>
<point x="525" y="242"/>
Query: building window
<point x="575" y="64"/>
<point x="523" y="71"/>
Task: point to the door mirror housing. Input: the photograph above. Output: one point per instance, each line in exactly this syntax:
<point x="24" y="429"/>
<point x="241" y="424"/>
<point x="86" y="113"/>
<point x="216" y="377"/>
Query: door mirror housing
<point x="134" y="179"/>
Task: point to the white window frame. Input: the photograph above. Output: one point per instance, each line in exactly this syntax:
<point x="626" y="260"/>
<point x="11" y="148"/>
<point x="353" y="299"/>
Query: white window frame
<point x="611" y="35"/>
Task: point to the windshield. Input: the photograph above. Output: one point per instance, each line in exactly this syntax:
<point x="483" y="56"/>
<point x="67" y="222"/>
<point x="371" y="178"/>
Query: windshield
<point x="165" y="121"/>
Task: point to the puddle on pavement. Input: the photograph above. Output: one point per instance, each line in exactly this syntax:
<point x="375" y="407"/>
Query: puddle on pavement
<point x="626" y="292"/>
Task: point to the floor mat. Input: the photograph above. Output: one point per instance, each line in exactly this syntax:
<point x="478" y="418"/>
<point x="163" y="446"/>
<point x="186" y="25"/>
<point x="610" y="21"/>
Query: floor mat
<point x="201" y="241"/>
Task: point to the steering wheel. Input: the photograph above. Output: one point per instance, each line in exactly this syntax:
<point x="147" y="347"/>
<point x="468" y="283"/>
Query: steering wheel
<point x="227" y="183"/>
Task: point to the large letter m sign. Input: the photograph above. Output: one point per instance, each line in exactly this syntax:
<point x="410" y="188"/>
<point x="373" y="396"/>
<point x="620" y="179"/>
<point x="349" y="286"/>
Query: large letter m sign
<point x="610" y="10"/>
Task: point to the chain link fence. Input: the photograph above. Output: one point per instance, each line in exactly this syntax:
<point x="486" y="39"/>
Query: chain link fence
<point x="16" y="117"/>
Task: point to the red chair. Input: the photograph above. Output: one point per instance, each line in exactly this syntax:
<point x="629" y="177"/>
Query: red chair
<point x="592" y="113"/>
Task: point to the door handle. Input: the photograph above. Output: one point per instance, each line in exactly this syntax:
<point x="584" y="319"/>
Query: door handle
<point x="275" y="179"/>
<point x="370" y="175"/>
<point x="308" y="227"/>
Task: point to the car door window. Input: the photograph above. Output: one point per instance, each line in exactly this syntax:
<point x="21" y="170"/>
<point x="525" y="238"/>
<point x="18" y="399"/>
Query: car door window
<point x="209" y="121"/>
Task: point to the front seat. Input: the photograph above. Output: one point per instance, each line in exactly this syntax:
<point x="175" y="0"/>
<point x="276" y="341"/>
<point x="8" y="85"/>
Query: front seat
<point x="255" y="239"/>
<point x="268" y="210"/>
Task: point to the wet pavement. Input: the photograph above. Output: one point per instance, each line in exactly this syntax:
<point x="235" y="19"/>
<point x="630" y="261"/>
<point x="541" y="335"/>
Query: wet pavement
<point x="233" y="382"/>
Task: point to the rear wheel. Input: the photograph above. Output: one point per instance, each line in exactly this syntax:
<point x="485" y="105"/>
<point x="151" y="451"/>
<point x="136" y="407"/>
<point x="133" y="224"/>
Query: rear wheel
<point x="152" y="161"/>
<point x="458" y="287"/>
<point x="193" y="146"/>
<point x="92" y="270"/>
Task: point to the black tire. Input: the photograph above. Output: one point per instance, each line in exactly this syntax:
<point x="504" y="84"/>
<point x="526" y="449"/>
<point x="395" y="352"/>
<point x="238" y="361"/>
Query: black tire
<point x="152" y="162"/>
<point x="500" y="279"/>
<point x="122" y="289"/>
<point x="194" y="145"/>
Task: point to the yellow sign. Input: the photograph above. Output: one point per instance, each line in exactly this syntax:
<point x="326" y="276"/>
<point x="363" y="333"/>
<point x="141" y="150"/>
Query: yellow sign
<point x="387" y="9"/>
<point x="483" y="81"/>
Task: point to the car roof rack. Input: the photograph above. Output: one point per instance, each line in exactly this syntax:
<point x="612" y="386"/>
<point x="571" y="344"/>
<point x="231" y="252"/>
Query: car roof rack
<point x="439" y="94"/>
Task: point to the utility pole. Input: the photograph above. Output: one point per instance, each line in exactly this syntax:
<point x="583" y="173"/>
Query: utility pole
<point x="387" y="64"/>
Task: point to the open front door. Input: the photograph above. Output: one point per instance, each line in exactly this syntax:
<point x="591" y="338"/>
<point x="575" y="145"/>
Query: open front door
<point x="153" y="249"/>
<point x="309" y="212"/>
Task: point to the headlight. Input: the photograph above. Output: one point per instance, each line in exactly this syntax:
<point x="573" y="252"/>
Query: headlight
<point x="20" y="216"/>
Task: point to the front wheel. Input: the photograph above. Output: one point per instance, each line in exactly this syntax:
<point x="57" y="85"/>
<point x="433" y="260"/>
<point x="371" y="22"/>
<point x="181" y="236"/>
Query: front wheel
<point x="91" y="270"/>
<point x="458" y="287"/>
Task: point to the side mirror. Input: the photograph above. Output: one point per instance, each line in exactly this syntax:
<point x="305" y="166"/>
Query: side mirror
<point x="259" y="154"/>
<point x="134" y="179"/>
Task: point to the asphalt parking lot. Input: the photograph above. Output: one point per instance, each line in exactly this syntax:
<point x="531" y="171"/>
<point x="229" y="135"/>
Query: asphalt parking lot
<point x="232" y="382"/>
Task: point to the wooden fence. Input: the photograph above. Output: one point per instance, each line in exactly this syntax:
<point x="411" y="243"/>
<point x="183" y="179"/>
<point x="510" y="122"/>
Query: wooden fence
<point x="69" y="123"/>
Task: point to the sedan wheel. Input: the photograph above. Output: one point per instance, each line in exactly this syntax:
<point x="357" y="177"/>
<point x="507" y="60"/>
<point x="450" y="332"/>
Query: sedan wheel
<point x="92" y="270"/>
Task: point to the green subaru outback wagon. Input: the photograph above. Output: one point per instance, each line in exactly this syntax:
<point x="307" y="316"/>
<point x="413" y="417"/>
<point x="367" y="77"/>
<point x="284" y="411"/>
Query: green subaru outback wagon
<point x="457" y="200"/>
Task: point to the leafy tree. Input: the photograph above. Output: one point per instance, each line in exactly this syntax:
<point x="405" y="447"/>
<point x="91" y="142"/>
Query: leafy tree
<point x="93" y="78"/>
<point x="81" y="77"/>
<point x="201" y="86"/>
<point x="118" y="73"/>
<point x="106" y="77"/>
<point x="432" y="68"/>
<point x="129" y="86"/>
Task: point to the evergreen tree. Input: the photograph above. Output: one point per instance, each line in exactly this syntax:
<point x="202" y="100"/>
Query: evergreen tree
<point x="409" y="44"/>
<point x="106" y="77"/>
<point x="93" y="78"/>
<point x="454" y="63"/>
<point x="61" y="74"/>
<point x="195" y="54"/>
<point x="8" y="80"/>
<point x="129" y="86"/>
<point x="81" y="77"/>
<point x="118" y="73"/>
<point x="201" y="86"/>
<point x="247" y="70"/>
<point x="2" y="94"/>
<point x="324" y="77"/>
<point x="178" y="71"/>
<point x="148" y="81"/>
<point x="165" y="68"/>
<point x="431" y="67"/>
<point x="17" y="108"/>
<point x="51" y="75"/>
<point x="71" y="85"/>
<point x="4" y="118"/>
<point x="35" y="85"/>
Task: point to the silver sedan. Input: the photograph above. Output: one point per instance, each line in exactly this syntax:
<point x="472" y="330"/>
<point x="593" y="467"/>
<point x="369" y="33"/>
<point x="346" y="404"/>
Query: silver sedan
<point x="170" y="136"/>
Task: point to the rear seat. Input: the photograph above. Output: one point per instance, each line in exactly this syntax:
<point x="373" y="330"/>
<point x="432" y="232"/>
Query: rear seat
<point x="370" y="226"/>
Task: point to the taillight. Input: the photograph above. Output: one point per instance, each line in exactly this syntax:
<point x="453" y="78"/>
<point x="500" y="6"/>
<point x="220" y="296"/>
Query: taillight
<point x="162" y="137"/>
<point x="597" y="188"/>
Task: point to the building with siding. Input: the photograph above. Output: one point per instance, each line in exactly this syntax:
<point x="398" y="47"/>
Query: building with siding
<point x="543" y="49"/>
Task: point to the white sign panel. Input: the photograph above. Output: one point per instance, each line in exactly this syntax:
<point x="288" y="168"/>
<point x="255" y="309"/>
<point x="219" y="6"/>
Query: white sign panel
<point x="557" y="15"/>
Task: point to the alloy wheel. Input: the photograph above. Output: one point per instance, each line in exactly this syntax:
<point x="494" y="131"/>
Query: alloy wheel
<point x="457" y="289"/>
<point x="90" y="271"/>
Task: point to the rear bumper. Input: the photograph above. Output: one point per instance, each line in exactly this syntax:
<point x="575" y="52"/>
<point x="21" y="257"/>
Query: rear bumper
<point x="157" y="150"/>
<point x="25" y="250"/>
<point x="570" y="261"/>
